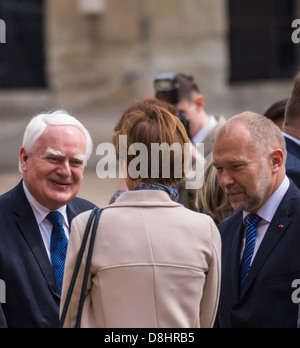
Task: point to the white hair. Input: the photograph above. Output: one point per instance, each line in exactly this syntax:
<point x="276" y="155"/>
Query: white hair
<point x="39" y="123"/>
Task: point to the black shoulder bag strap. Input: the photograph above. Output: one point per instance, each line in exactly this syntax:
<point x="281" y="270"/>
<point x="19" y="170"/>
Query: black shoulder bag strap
<point x="94" y="217"/>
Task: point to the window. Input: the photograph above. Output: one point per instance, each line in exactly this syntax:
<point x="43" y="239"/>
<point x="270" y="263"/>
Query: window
<point x="22" y="59"/>
<point x="260" y="39"/>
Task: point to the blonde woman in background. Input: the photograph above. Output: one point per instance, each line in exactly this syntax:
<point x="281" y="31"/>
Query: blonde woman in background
<point x="211" y="198"/>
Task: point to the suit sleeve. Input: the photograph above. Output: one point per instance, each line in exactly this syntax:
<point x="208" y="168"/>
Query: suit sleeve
<point x="211" y="292"/>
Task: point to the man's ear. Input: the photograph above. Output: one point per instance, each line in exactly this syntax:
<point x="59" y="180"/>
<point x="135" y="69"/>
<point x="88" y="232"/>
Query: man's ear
<point x="23" y="159"/>
<point x="199" y="101"/>
<point x="277" y="160"/>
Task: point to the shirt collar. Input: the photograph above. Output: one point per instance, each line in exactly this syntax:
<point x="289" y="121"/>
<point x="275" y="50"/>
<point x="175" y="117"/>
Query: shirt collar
<point x="297" y="141"/>
<point x="268" y="210"/>
<point x="203" y="133"/>
<point x="40" y="212"/>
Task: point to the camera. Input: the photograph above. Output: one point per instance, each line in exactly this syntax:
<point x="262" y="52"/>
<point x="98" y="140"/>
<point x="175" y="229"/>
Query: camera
<point x="167" y="89"/>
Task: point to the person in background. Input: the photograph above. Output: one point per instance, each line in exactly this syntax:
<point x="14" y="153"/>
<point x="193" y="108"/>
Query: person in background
<point x="261" y="242"/>
<point x="36" y="215"/>
<point x="291" y="132"/>
<point x="276" y="112"/>
<point x="155" y="264"/>
<point x="211" y="198"/>
<point x="183" y="92"/>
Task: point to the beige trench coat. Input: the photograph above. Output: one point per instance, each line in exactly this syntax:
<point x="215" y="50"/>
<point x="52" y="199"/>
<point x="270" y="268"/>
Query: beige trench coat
<point x="155" y="265"/>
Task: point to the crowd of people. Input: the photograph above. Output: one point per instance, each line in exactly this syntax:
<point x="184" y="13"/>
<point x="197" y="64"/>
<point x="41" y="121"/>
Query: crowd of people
<point x="164" y="256"/>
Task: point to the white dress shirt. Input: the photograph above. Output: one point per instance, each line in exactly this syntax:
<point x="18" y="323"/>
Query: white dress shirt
<point x="45" y="226"/>
<point x="203" y="133"/>
<point x="267" y="213"/>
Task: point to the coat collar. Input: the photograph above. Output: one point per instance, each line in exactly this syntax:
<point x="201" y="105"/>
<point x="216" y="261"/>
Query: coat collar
<point x="292" y="146"/>
<point x="145" y="198"/>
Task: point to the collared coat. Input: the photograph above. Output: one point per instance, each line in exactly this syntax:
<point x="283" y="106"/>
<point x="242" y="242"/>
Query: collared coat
<point x="155" y="264"/>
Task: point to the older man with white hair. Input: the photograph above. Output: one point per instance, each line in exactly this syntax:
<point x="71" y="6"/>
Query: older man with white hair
<point x="35" y="218"/>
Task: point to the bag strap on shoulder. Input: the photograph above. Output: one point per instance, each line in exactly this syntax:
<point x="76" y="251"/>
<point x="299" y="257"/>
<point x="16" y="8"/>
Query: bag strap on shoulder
<point x="94" y="217"/>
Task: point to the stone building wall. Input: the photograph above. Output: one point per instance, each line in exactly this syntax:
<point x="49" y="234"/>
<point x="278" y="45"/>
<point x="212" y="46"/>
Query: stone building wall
<point x="116" y="54"/>
<point x="112" y="57"/>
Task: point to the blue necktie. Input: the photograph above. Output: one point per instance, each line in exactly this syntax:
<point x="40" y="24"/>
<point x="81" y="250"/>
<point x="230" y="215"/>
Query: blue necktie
<point x="58" y="248"/>
<point x="251" y="232"/>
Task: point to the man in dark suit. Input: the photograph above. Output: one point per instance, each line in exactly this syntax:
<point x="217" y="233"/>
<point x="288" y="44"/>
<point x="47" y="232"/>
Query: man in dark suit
<point x="55" y="150"/>
<point x="291" y="132"/>
<point x="261" y="242"/>
<point x="293" y="159"/>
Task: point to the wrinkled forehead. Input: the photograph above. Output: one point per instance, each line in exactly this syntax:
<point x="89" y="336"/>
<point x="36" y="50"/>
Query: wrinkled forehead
<point x="56" y="153"/>
<point x="62" y="137"/>
<point x="63" y="142"/>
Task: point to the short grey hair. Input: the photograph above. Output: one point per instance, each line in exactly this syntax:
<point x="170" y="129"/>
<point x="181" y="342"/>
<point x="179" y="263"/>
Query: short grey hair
<point x="39" y="123"/>
<point x="264" y="133"/>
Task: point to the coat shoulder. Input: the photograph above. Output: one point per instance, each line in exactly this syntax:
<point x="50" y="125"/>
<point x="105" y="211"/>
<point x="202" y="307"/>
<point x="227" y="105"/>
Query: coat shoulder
<point x="83" y="204"/>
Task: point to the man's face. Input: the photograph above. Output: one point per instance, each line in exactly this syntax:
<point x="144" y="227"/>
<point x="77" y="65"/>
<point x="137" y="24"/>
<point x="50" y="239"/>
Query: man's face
<point x="243" y="174"/>
<point x="189" y="109"/>
<point x="54" y="172"/>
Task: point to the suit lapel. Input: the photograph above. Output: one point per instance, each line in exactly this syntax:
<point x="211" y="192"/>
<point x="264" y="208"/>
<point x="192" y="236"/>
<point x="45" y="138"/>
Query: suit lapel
<point x="72" y="211"/>
<point x="292" y="147"/>
<point x="278" y="227"/>
<point x="236" y="258"/>
<point x="31" y="233"/>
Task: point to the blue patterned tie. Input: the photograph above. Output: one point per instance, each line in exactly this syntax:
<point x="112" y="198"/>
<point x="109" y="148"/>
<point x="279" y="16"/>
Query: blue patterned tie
<point x="251" y="223"/>
<point x="58" y="248"/>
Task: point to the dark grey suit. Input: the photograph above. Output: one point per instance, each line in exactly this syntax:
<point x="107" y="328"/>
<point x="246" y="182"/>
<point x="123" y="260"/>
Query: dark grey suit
<point x="31" y="299"/>
<point x="267" y="300"/>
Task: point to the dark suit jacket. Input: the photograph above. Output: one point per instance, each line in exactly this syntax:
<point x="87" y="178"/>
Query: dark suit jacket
<point x="31" y="299"/>
<point x="267" y="300"/>
<point x="293" y="161"/>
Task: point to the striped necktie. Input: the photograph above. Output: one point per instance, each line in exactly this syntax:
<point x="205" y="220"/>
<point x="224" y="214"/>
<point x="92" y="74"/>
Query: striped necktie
<point x="58" y="248"/>
<point x="251" y="232"/>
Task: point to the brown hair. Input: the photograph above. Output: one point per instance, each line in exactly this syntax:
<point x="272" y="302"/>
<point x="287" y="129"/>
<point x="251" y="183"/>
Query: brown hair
<point x="143" y="104"/>
<point x="276" y="112"/>
<point x="187" y="85"/>
<point x="148" y="122"/>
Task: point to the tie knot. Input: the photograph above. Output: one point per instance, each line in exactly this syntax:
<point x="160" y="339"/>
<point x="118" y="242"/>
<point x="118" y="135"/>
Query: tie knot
<point x="253" y="220"/>
<point x="55" y="218"/>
